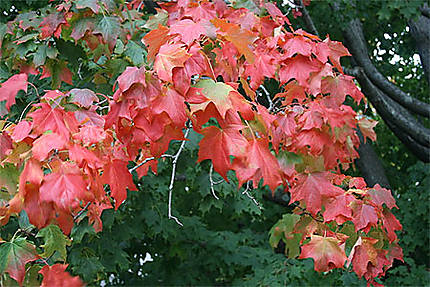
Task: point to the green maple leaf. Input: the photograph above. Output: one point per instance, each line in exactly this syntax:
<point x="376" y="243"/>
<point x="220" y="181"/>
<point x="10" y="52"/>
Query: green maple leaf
<point x="283" y="229"/>
<point x="55" y="240"/>
<point x="9" y="176"/>
<point x="135" y="52"/>
<point x="14" y="255"/>
<point x="92" y="4"/>
<point x="110" y="29"/>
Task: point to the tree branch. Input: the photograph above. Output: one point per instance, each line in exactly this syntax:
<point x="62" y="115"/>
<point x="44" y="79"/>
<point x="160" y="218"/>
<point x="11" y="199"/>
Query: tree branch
<point x="391" y="111"/>
<point x="172" y="178"/>
<point x="246" y="192"/>
<point x="421" y="152"/>
<point x="420" y="31"/>
<point x="425" y="10"/>
<point x="398" y="119"/>
<point x="369" y="164"/>
<point x="146" y="160"/>
<point x="310" y="26"/>
<point x="212" y="181"/>
<point x="81" y="211"/>
<point x="356" y="43"/>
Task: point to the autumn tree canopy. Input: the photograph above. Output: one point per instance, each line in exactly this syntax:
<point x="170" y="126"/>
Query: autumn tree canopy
<point x="125" y="131"/>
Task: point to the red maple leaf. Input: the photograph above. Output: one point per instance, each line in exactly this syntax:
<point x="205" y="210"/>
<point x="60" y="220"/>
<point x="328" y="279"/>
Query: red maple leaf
<point x="298" y="45"/>
<point x="312" y="188"/>
<point x="47" y="143"/>
<point x="169" y="57"/>
<point x="54" y="119"/>
<point x="131" y="75"/>
<point x="188" y="30"/>
<point x="391" y="224"/>
<point x="197" y="64"/>
<point x="56" y="275"/>
<point x="293" y="91"/>
<point x="5" y="145"/>
<point x="339" y="87"/>
<point x="364" y="216"/>
<point x="312" y="141"/>
<point x="380" y="195"/>
<point x="367" y="260"/>
<point x="224" y="97"/>
<point x="219" y="144"/>
<point x="152" y="126"/>
<point x="200" y="11"/>
<point x="83" y="156"/>
<point x="89" y="135"/>
<point x="83" y="97"/>
<point x="15" y="255"/>
<point x="241" y="39"/>
<point x="299" y="68"/>
<point x="258" y="163"/>
<point x="32" y="174"/>
<point x="21" y="131"/>
<point x="65" y="187"/>
<point x="263" y="66"/>
<point x="89" y="117"/>
<point x="395" y="252"/>
<point x="326" y="252"/>
<point x="94" y="213"/>
<point x="51" y="25"/>
<point x="173" y="104"/>
<point x="333" y="50"/>
<point x="11" y="87"/>
<point x="155" y="39"/>
<point x="112" y="172"/>
<point x="366" y="127"/>
<point x="338" y="209"/>
<point x="39" y="213"/>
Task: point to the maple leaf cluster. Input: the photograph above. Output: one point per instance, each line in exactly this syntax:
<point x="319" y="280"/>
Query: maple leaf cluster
<point x="206" y="66"/>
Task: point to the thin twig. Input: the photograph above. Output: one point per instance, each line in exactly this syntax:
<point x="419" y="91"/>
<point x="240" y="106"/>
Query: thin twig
<point x="79" y="70"/>
<point x="140" y="5"/>
<point x="172" y="178"/>
<point x="307" y="18"/>
<point x="269" y="99"/>
<point x="219" y="181"/>
<point x="212" y="181"/>
<point x="81" y="211"/>
<point x="146" y="160"/>
<point x="102" y="102"/>
<point x="37" y="92"/>
<point x="23" y="111"/>
<point x="29" y="104"/>
<point x="306" y="212"/>
<point x="103" y="108"/>
<point x="248" y="188"/>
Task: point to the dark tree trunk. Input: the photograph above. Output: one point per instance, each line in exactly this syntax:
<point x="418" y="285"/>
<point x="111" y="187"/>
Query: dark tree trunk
<point x="420" y="31"/>
<point x="370" y="165"/>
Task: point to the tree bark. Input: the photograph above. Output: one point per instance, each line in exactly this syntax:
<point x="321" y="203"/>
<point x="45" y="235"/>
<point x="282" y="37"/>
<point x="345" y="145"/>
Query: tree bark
<point x="370" y="165"/>
<point x="420" y="31"/>
<point x="307" y="18"/>
<point x="356" y="43"/>
<point x="396" y="117"/>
